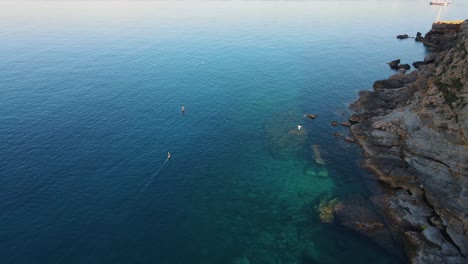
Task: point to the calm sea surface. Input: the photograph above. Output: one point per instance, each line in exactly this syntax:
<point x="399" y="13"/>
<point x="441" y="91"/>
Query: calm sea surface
<point x="90" y="98"/>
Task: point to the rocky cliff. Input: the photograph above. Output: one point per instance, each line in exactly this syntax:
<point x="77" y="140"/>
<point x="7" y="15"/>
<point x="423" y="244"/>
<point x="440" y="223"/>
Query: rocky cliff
<point x="413" y="129"/>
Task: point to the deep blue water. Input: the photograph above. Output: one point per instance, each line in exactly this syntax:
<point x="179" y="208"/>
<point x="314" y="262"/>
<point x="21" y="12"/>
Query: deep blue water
<point x="90" y="97"/>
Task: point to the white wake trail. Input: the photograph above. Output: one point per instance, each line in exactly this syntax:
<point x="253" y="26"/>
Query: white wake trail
<point x="150" y="180"/>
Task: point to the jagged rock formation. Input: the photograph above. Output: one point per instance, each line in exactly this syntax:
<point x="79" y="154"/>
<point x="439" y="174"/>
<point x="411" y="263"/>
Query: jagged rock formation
<point x="419" y="37"/>
<point x="404" y="36"/>
<point x="413" y="129"/>
<point x="394" y="64"/>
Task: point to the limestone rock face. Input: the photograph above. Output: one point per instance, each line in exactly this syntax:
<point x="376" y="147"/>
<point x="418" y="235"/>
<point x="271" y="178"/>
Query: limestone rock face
<point x="414" y="129"/>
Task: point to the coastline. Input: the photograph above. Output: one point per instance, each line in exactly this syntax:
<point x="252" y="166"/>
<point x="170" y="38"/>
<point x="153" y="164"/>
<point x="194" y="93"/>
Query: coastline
<point x="413" y="130"/>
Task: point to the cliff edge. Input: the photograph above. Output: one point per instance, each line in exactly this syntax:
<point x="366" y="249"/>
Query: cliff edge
<point x="413" y="129"/>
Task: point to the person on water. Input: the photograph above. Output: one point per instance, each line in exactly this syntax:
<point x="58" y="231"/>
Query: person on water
<point x="183" y="109"/>
<point x="168" y="155"/>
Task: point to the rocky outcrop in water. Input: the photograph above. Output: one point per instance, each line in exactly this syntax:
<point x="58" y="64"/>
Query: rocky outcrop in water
<point x="405" y="66"/>
<point x="413" y="129"/>
<point x="403" y="36"/>
<point x="441" y="36"/>
<point x="394" y="64"/>
<point x="418" y="37"/>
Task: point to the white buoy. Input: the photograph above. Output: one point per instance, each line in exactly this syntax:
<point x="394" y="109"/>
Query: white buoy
<point x="299" y="127"/>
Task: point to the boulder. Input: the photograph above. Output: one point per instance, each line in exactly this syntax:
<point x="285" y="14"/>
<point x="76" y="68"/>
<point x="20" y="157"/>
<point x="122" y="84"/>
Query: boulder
<point x="311" y="116"/>
<point x="430" y="58"/>
<point x="418" y="64"/>
<point x="388" y="84"/>
<point x="404" y="36"/>
<point x="394" y="64"/>
<point x="355" y="118"/>
<point x="404" y="66"/>
<point x="346" y="123"/>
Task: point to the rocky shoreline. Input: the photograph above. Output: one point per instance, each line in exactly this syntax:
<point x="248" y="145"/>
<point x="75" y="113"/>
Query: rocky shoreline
<point x="413" y="129"/>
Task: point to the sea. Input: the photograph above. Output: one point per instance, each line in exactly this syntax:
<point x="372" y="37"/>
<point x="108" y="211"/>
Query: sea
<point x="90" y="105"/>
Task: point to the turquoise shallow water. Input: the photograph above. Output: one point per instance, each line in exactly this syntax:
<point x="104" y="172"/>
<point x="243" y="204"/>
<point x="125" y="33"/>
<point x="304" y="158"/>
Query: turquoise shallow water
<point x="90" y="103"/>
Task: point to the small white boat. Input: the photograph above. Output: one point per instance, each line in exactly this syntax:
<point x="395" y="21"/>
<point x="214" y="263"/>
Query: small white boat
<point x="440" y="2"/>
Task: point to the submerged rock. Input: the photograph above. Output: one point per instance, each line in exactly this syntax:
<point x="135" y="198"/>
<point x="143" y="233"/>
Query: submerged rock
<point x="266" y="239"/>
<point x="310" y="255"/>
<point x="318" y="156"/>
<point x="311" y="172"/>
<point x="284" y="136"/>
<point x="358" y="214"/>
<point x="346" y="124"/>
<point x="323" y="173"/>
<point x="338" y="134"/>
<point x="242" y="260"/>
<point x="334" y="123"/>
<point x="359" y="218"/>
<point x="326" y="210"/>
<point x="311" y="116"/>
<point x="298" y="131"/>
